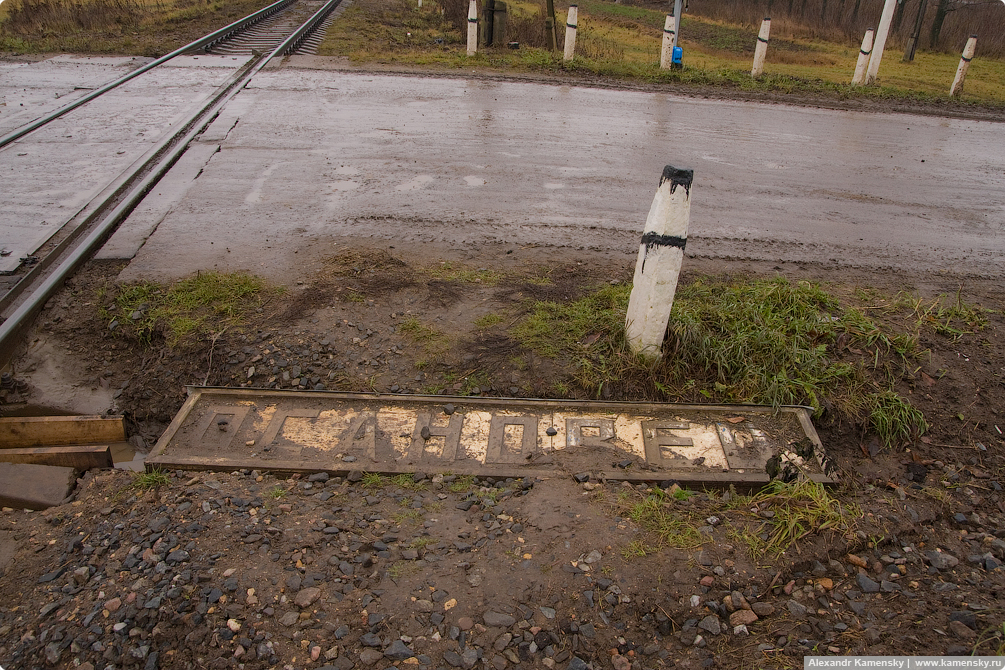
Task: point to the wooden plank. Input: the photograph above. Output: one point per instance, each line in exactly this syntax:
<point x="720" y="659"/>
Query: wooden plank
<point x="40" y="431"/>
<point x="77" y="457"/>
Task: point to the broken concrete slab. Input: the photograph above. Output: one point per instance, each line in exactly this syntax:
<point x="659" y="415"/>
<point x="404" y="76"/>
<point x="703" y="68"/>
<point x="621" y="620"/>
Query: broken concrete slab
<point x="30" y="486"/>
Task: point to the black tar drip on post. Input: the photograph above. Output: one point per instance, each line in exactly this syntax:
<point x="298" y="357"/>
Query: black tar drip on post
<point x="676" y="177"/>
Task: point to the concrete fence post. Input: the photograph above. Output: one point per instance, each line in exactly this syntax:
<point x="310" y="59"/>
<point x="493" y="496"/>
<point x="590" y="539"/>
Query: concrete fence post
<point x="571" y="21"/>
<point x="863" y="59"/>
<point x="472" y="28"/>
<point x="881" y="35"/>
<point x="669" y="39"/>
<point x="961" y="71"/>
<point x="661" y="253"/>
<point x="762" y="48"/>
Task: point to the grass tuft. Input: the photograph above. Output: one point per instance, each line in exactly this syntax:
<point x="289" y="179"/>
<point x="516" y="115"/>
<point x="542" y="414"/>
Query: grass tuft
<point x="188" y="309"/>
<point x="658" y="513"/>
<point x="770" y="342"/>
<point x="144" y="481"/>
<point x="800" y="508"/>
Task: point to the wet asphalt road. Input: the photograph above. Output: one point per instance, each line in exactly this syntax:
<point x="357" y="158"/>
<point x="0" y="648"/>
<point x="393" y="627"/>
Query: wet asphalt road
<point x="308" y="156"/>
<point x="304" y="157"/>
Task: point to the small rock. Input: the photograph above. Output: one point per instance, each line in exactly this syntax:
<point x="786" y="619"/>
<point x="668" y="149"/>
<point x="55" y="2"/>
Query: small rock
<point x="398" y="651"/>
<point x="742" y="618"/>
<point x="961" y="630"/>
<point x="581" y="477"/>
<point x="940" y="560"/>
<point x="620" y="662"/>
<point x="867" y="585"/>
<point x="856" y="561"/>
<point x="796" y="609"/>
<point x="710" y="624"/>
<point x="369" y="656"/>
<point x="497" y="619"/>
<point x="306" y="597"/>
<point x="763" y="609"/>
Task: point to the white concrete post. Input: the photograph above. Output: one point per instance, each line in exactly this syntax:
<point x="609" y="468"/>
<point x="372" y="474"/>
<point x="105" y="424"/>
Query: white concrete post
<point x="881" y="35"/>
<point x="420" y="4"/>
<point x="669" y="38"/>
<point x="472" y="28"/>
<point x="863" y="59"/>
<point x="961" y="71"/>
<point x="571" y="22"/>
<point x="762" y="48"/>
<point x="661" y="253"/>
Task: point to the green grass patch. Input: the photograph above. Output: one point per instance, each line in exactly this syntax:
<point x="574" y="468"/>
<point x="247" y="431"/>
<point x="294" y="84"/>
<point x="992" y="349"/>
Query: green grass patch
<point x="658" y="513"/>
<point x="144" y="481"/>
<point x="461" y="484"/>
<point x="488" y="320"/>
<point x="771" y="342"/>
<point x="799" y="509"/>
<point x="418" y="331"/>
<point x="407" y="482"/>
<point x="187" y="310"/>
<point x="463" y="274"/>
<point x="623" y="42"/>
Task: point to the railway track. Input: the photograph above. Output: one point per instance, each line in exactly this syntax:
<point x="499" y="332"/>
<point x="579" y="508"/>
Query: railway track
<point x="278" y="30"/>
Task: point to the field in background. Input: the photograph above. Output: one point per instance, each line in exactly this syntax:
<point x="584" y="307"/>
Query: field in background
<point x="623" y="41"/>
<point x="130" y="27"/>
<point x="618" y="41"/>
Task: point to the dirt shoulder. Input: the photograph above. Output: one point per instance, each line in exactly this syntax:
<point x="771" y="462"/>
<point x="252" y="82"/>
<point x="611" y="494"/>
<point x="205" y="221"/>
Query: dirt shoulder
<point x="225" y="569"/>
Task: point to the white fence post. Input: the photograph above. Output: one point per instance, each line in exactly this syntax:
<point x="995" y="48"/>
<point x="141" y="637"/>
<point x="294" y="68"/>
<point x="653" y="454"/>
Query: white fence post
<point x="762" y="48"/>
<point x="669" y="38"/>
<point x="881" y="35"/>
<point x="863" y="59"/>
<point x="961" y="71"/>
<point x="661" y="254"/>
<point x="570" y="31"/>
<point x="472" y="28"/>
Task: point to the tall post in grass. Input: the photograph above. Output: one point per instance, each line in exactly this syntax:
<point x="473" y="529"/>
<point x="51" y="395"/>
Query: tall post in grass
<point x="881" y="35"/>
<point x="961" y="71"/>
<point x="472" y="28"/>
<point x="661" y="254"/>
<point x="762" y="48"/>
<point x="912" y="41"/>
<point x="863" y="59"/>
<point x="550" y="26"/>
<point x="669" y="38"/>
<point x="571" y="21"/>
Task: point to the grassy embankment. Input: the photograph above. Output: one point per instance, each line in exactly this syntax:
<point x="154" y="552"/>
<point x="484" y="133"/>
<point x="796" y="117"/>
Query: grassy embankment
<point x="623" y="42"/>
<point x="127" y="27"/>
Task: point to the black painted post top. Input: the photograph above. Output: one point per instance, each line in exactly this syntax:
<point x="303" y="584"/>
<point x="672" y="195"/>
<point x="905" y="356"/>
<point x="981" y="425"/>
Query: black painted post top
<point x="677" y="177"/>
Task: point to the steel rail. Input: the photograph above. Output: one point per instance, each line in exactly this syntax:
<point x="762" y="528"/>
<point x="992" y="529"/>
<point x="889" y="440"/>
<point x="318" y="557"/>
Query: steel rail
<point x="201" y="43"/>
<point x="170" y="150"/>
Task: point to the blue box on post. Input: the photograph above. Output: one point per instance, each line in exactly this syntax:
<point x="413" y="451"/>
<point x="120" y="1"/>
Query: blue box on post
<point x="676" y="58"/>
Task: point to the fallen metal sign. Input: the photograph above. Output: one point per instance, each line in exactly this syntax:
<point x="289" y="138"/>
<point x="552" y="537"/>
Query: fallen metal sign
<point x="311" y="431"/>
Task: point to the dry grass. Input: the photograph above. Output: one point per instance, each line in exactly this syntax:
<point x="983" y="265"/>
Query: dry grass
<point x="134" y="27"/>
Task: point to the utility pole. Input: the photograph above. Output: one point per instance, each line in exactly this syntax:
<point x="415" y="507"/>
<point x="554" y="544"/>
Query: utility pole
<point x="912" y="41"/>
<point x="678" y="9"/>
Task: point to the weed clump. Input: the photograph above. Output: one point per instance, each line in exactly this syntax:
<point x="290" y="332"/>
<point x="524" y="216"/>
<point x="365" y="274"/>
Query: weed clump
<point x="189" y="309"/>
<point x="770" y="342"/>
